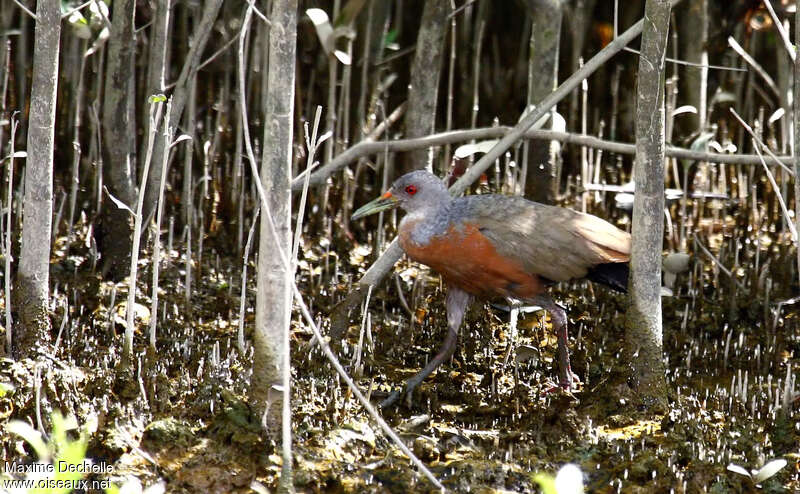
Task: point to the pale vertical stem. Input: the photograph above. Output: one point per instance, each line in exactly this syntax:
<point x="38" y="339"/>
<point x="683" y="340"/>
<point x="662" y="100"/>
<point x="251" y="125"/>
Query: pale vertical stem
<point x="796" y="127"/>
<point x="9" y="228"/>
<point x="188" y="194"/>
<point x="127" y="349"/>
<point x="476" y="76"/>
<point x="584" y="129"/>
<point x="240" y="345"/>
<point x="451" y="72"/>
<point x="168" y="133"/>
<point x="76" y="143"/>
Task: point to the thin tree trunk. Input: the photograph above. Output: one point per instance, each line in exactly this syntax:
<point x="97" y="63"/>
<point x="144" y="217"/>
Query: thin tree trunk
<point x="424" y="84"/>
<point x="540" y="183"/>
<point x="116" y="226"/>
<point x="274" y="299"/>
<point x="796" y="113"/>
<point x="643" y="335"/>
<point x="694" y="48"/>
<point x="32" y="289"/>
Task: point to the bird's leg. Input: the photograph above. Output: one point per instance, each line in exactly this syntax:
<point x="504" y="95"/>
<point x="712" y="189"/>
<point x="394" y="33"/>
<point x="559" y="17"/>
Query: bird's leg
<point x="457" y="302"/>
<point x="559" y="318"/>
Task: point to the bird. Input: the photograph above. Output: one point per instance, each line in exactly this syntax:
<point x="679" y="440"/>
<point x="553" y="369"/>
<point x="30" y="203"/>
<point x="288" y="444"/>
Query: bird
<point x="491" y="246"/>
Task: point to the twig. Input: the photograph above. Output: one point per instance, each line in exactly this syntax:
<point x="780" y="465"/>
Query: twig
<point x="25" y="9"/>
<point x="693" y="64"/>
<point x="366" y="148"/>
<point x="757" y="143"/>
<point x="457" y="11"/>
<point x="240" y="345"/>
<point x="79" y="7"/>
<point x="756" y="66"/>
<point x="781" y="31"/>
<point x="326" y="349"/>
<point x="719" y="264"/>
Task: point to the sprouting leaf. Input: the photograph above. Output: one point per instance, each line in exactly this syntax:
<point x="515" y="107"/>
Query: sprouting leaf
<point x="181" y="138"/>
<point x="99" y="42"/>
<point x="722" y="97"/>
<point x="17" y="155"/>
<point x="324" y="137"/>
<point x="684" y="109"/>
<point x="737" y="469"/>
<point x="119" y="203"/>
<point x="559" y="123"/>
<point x="776" y="115"/>
<point x="327" y="35"/>
<point x="768" y="470"/>
<point x="478" y="147"/>
<point x="80" y="26"/>
<point x="156" y="98"/>
<point x="98" y="12"/>
<point x="322" y="24"/>
<point x="342" y="57"/>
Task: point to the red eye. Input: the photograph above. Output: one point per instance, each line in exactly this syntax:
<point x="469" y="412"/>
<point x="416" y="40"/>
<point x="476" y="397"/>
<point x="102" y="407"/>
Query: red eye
<point x="411" y="189"/>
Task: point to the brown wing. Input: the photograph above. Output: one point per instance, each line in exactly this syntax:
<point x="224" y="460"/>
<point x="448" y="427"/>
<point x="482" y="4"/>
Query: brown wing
<point x="556" y="243"/>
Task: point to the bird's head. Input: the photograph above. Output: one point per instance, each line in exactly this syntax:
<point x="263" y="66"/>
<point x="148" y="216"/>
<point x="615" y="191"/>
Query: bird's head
<point x="412" y="192"/>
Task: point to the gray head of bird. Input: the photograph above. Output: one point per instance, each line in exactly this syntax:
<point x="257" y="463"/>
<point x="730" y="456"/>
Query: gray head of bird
<point x="415" y="191"/>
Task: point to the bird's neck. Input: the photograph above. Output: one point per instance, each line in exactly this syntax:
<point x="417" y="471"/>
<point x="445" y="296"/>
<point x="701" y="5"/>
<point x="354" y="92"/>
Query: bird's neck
<point x="421" y="225"/>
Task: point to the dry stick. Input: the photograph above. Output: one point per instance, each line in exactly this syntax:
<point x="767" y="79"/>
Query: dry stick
<point x="127" y="349"/>
<point x="10" y="198"/>
<point x="76" y="146"/>
<point x="188" y="195"/>
<point x="240" y="337"/>
<point x="756" y="66"/>
<point x="756" y="144"/>
<point x="25" y="9"/>
<point x="168" y="133"/>
<point x="719" y="263"/>
<point x="450" y="83"/>
<point x="326" y="349"/>
<point x="781" y="31"/>
<point x="312" y="143"/>
<point x="796" y="129"/>
<point x="365" y="148"/>
<point x="378" y="270"/>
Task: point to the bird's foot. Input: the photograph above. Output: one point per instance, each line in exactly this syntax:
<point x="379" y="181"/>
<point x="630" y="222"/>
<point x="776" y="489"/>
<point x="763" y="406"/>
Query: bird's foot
<point x="565" y="385"/>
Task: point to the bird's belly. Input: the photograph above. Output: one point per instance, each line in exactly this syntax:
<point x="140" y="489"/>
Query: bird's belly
<point x="467" y="259"/>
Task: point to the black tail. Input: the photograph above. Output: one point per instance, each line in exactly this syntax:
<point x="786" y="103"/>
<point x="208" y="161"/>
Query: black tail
<point x="613" y="275"/>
